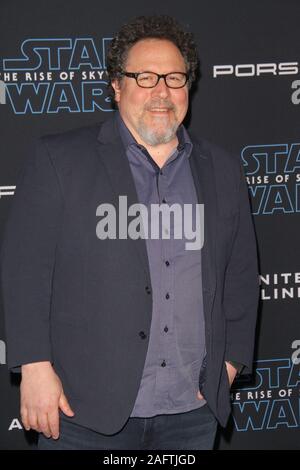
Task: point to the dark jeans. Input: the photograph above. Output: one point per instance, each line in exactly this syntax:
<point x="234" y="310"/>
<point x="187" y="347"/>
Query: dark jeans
<point x="193" y="430"/>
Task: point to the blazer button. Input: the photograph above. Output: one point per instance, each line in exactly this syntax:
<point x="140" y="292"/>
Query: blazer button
<point x="148" y="290"/>
<point x="142" y="334"/>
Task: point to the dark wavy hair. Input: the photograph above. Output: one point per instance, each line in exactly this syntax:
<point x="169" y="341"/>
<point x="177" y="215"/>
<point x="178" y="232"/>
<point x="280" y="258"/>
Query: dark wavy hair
<point x="149" y="27"/>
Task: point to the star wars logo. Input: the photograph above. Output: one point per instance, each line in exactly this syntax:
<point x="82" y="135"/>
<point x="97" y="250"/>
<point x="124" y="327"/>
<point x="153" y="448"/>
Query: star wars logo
<point x="273" y="176"/>
<point x="57" y="75"/>
<point x="273" y="401"/>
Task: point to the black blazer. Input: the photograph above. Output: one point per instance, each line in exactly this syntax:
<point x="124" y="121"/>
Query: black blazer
<point x="85" y="304"/>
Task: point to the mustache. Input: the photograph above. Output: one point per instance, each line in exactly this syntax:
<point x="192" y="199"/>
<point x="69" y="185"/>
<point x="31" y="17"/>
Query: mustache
<point x="159" y="104"/>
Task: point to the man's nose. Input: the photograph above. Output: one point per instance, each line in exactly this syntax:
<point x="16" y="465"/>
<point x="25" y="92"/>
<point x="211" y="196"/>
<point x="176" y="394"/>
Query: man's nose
<point x="161" y="88"/>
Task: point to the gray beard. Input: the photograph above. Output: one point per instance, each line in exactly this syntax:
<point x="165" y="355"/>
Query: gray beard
<point x="154" y="138"/>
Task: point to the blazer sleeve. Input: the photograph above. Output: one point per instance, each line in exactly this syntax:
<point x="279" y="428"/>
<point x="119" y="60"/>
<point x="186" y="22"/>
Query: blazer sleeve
<point x="241" y="288"/>
<point x="28" y="258"/>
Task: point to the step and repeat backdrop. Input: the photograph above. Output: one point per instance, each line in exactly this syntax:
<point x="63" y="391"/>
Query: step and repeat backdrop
<point x="53" y="78"/>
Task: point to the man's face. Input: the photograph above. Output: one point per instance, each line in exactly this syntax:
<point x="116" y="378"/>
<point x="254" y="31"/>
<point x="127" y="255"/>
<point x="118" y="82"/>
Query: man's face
<point x="152" y="114"/>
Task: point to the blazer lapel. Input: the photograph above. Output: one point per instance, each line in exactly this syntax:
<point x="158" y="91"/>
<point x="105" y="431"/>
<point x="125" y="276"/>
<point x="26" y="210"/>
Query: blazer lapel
<point x="112" y="154"/>
<point x="202" y="170"/>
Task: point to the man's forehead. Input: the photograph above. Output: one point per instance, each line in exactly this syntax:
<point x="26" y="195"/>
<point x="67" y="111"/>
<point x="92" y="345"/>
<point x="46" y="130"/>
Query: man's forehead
<point x="154" y="51"/>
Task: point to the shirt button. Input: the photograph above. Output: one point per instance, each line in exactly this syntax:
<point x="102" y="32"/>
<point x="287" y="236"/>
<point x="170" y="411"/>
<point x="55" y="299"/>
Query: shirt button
<point x="167" y="263"/>
<point x="163" y="364"/>
<point x="142" y="335"/>
<point x="166" y="329"/>
<point x="160" y="172"/>
<point x="167" y="295"/>
<point x="148" y="290"/>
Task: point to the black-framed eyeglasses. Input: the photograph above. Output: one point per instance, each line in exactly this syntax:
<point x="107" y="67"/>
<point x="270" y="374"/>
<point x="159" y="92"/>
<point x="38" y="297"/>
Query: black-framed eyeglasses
<point x="151" y="79"/>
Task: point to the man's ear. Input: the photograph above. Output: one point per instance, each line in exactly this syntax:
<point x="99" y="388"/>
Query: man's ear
<point x="117" y="87"/>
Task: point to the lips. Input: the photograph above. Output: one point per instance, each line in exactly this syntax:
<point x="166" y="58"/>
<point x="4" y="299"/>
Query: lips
<point x="159" y="107"/>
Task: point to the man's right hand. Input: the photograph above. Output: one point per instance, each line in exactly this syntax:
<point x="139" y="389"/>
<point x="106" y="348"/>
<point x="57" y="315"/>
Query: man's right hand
<point x="42" y="396"/>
